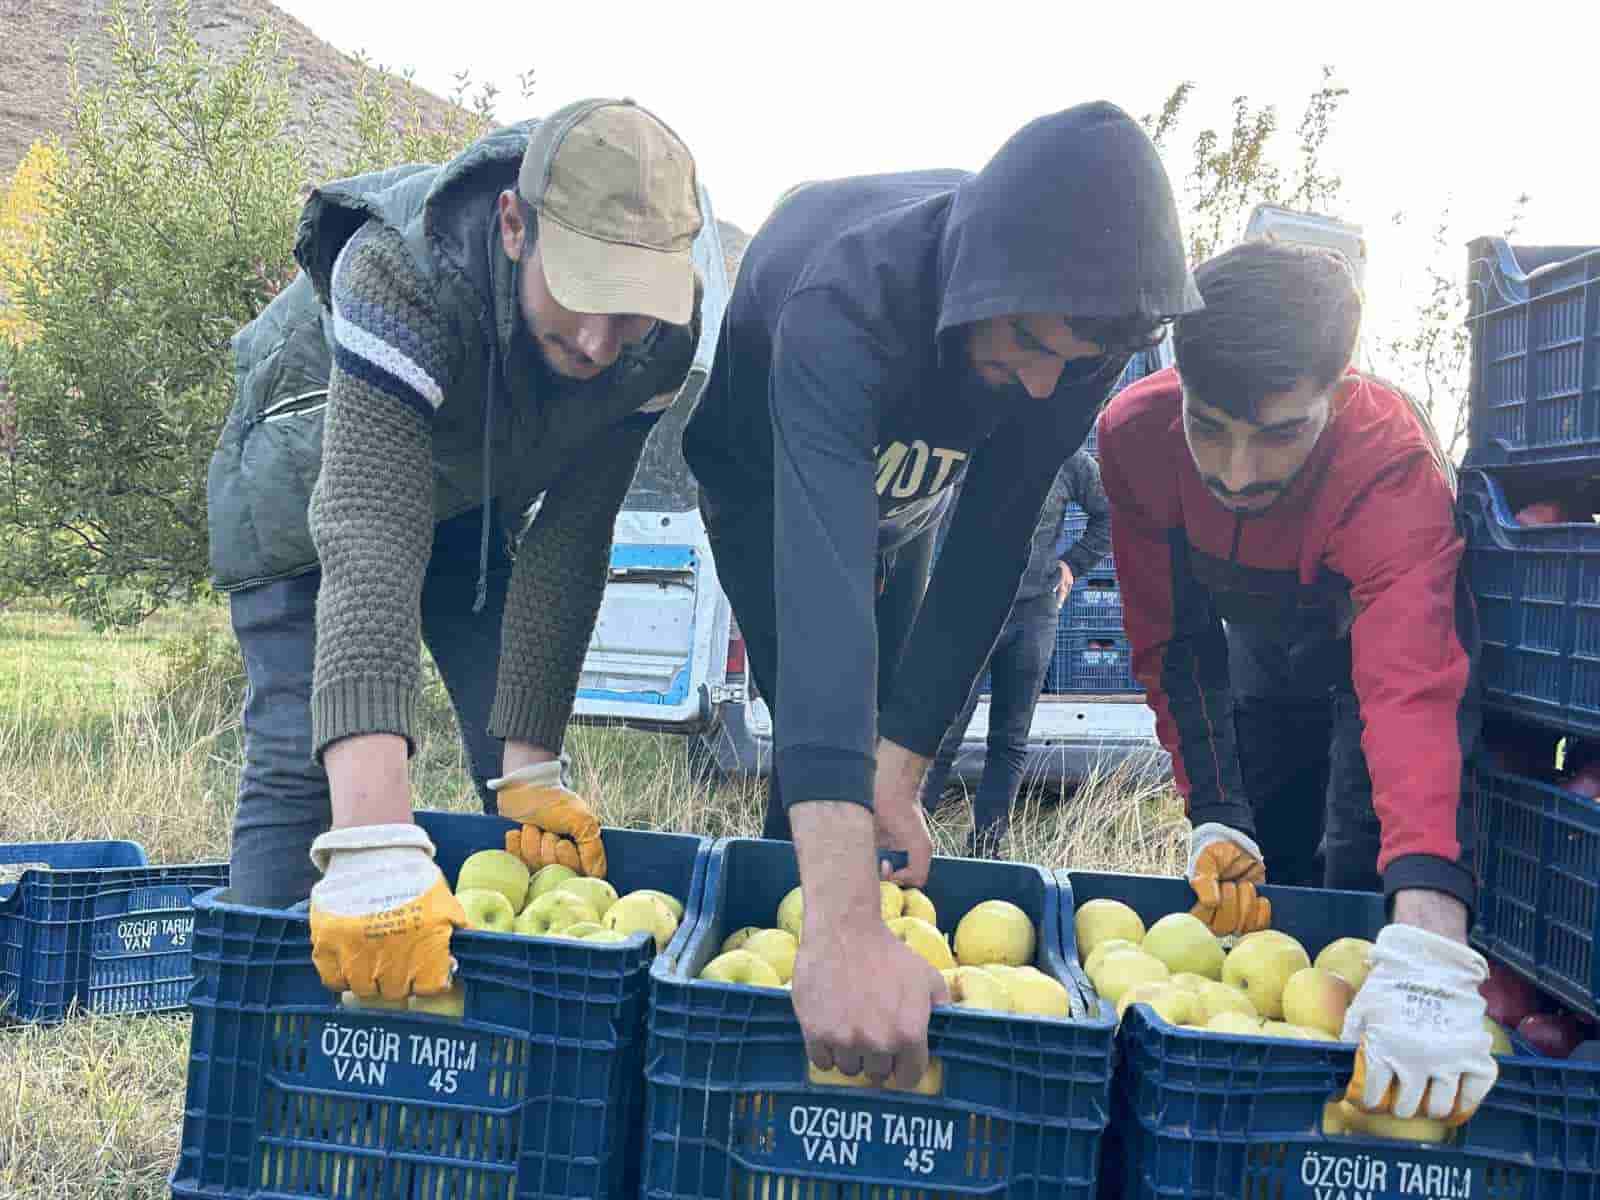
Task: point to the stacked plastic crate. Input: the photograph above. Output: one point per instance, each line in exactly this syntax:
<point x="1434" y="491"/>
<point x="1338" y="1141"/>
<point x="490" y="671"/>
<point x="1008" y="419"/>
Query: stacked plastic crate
<point x="1527" y="498"/>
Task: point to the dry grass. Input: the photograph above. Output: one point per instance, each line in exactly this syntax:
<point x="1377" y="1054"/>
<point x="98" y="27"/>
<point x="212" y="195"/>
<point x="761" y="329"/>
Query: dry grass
<point x="135" y="736"/>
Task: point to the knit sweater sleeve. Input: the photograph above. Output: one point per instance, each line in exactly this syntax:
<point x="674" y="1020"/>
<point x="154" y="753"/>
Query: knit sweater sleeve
<point x="557" y="583"/>
<point x="371" y="514"/>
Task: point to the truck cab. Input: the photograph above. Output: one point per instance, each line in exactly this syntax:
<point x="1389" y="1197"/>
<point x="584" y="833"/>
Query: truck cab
<point x="666" y="653"/>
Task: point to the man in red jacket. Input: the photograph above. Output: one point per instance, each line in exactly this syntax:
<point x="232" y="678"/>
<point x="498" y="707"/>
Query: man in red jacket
<point x="1284" y="532"/>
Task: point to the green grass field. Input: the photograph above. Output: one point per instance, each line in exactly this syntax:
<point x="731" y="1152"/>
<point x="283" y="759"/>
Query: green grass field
<point x="135" y="735"/>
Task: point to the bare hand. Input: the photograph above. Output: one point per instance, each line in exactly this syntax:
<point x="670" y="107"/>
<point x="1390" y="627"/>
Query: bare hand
<point x="873" y="1020"/>
<point x="901" y="823"/>
<point x="1064" y="584"/>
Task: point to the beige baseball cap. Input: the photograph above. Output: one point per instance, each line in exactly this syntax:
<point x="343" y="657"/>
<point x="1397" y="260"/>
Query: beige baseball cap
<point x="618" y="209"/>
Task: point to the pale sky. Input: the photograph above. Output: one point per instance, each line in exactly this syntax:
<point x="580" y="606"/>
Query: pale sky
<point x="1447" y="107"/>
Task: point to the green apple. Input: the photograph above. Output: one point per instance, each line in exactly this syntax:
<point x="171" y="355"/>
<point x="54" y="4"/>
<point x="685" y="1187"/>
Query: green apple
<point x="598" y="892"/>
<point x="1101" y="920"/>
<point x="1239" y="1023"/>
<point x="350" y="1000"/>
<point x="791" y="912"/>
<point x="743" y="967"/>
<point x="1348" y="958"/>
<point x="1387" y="1125"/>
<point x="995" y="931"/>
<point x="778" y="947"/>
<point x="1175" y="1005"/>
<point x="1185" y="943"/>
<point x="642" y="912"/>
<point x="1189" y="981"/>
<point x="918" y="905"/>
<point x="1261" y="967"/>
<point x="1091" y="964"/>
<point x="925" y="939"/>
<point x="1317" y="998"/>
<point x="554" y="912"/>
<point x="1501" y="1043"/>
<point x="973" y="987"/>
<point x="487" y="910"/>
<point x="495" y="871"/>
<point x="1124" y="969"/>
<point x="674" y="905"/>
<point x="446" y="1004"/>
<point x="1214" y="998"/>
<point x="739" y="937"/>
<point x="1033" y="992"/>
<point x="581" y="929"/>
<point x="605" y="935"/>
<point x="549" y="877"/>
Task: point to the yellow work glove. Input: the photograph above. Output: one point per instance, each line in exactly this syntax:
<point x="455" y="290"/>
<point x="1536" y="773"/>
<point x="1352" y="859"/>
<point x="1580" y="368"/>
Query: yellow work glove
<point x="382" y="914"/>
<point x="557" y="826"/>
<point x="1418" y="1022"/>
<point x="1225" y="868"/>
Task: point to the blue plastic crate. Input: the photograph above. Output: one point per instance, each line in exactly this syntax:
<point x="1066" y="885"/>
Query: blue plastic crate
<point x="1024" y="1100"/>
<point x="95" y="929"/>
<point x="534" y="1092"/>
<point x="1207" y="1116"/>
<point x="1534" y="393"/>
<point x="1094" y="606"/>
<point x="1538" y="865"/>
<point x="1537" y="592"/>
<point x="1098" y="662"/>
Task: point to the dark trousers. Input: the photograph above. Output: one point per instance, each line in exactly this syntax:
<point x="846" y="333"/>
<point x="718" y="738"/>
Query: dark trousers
<point x="1017" y="668"/>
<point x="284" y="802"/>
<point x="1297" y="725"/>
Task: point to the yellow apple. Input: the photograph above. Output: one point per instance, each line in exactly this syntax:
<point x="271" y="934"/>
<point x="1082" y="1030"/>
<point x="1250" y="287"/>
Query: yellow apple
<point x="791" y="913"/>
<point x="891" y="900"/>
<point x="1091" y="964"/>
<point x="446" y="1004"/>
<point x="1032" y="991"/>
<point x="487" y="910"/>
<point x="580" y="929"/>
<point x="642" y="912"/>
<point x="1333" y="1116"/>
<point x="778" y="947"/>
<point x="1261" y="967"/>
<point x="604" y="935"/>
<point x="1185" y="943"/>
<point x="1386" y="1125"/>
<point x="598" y="892"/>
<point x="931" y="1083"/>
<point x="552" y="913"/>
<point x="1124" y="969"/>
<point x="547" y="878"/>
<point x="1189" y="981"/>
<point x="973" y="987"/>
<point x="1100" y="920"/>
<point x="994" y="931"/>
<point x="495" y="871"/>
<point x="925" y="939"/>
<point x="918" y="905"/>
<point x="1175" y="1005"/>
<point x="742" y="967"/>
<point x="1215" y="998"/>
<point x="1317" y="998"/>
<point x="1497" y="1031"/>
<point x="739" y="937"/>
<point x="674" y="905"/>
<point x="1237" y="1023"/>
<point x="350" y="1000"/>
<point x="1348" y="959"/>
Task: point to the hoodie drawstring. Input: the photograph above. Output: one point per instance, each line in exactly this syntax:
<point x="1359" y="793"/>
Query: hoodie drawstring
<point x="488" y="472"/>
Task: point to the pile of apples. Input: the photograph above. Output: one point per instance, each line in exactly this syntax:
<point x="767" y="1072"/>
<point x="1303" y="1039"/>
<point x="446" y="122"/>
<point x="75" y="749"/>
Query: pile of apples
<point x="499" y="894"/>
<point x="1266" y="985"/>
<point x="989" y="966"/>
<point x="1514" y="1003"/>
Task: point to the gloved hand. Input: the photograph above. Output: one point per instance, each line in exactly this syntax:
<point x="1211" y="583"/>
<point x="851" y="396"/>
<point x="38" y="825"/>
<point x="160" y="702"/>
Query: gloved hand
<point x="1224" y="868"/>
<point x="557" y="826"/>
<point x="382" y="914"/>
<point x="1418" y="1019"/>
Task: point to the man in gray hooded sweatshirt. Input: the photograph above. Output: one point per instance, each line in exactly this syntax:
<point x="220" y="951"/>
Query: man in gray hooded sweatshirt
<point x="462" y="340"/>
<point x="888" y="336"/>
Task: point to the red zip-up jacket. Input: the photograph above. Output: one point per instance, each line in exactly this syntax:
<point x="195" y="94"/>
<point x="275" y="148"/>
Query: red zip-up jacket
<point x="1364" y="542"/>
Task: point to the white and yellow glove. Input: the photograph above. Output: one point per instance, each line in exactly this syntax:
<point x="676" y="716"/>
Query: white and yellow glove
<point x="1418" y="1021"/>
<point x="1225" y="868"/>
<point x="382" y="914"/>
<point x="557" y="826"/>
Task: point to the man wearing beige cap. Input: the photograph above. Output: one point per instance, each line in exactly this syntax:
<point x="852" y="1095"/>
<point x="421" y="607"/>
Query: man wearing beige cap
<point x="461" y="341"/>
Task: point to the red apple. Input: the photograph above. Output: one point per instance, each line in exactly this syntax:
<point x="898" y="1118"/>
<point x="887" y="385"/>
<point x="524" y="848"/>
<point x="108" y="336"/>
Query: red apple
<point x="1509" y="996"/>
<point x="1543" y="512"/>
<point x="1554" y="1035"/>
<point x="1585" y="780"/>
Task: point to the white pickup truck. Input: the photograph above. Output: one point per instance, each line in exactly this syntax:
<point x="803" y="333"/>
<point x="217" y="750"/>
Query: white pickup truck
<point x="666" y="653"/>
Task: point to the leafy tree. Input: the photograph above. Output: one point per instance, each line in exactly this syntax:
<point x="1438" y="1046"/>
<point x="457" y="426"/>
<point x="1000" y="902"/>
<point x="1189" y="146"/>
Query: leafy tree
<point x="170" y="224"/>
<point x="23" y="206"/>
